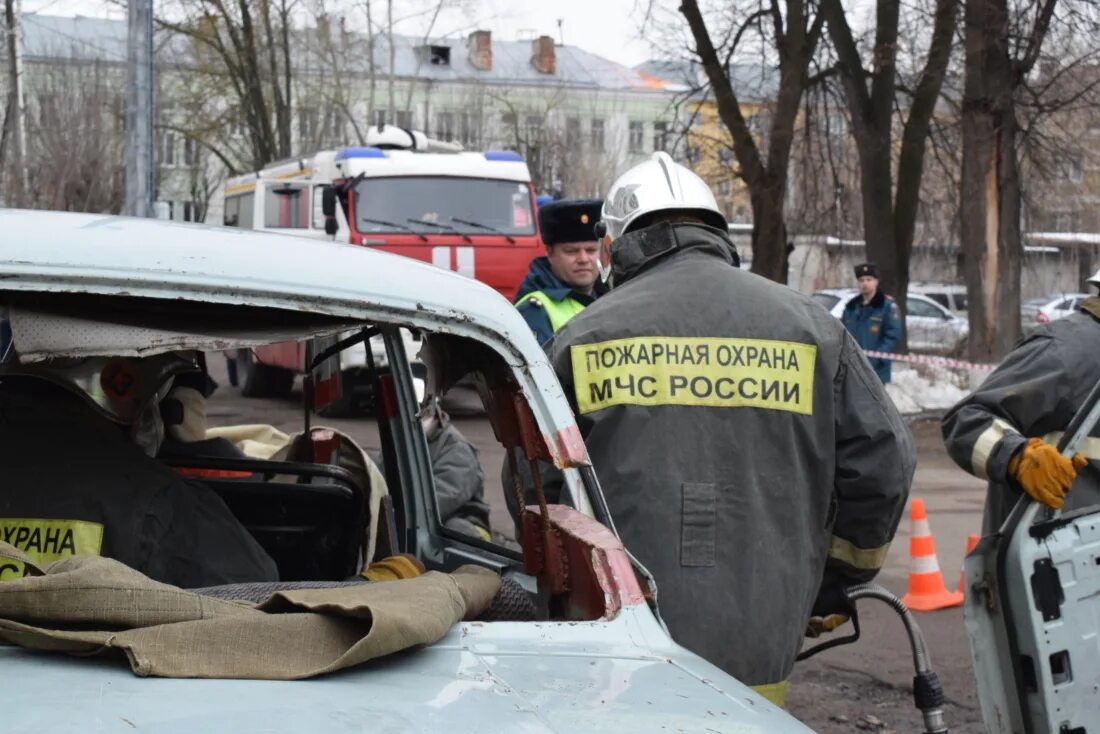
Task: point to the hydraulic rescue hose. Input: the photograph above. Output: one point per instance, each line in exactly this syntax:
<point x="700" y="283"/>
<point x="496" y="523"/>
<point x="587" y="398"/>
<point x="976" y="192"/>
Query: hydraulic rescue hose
<point x="927" y="691"/>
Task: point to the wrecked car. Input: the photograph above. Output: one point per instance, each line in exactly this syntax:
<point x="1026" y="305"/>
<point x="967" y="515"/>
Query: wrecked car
<point x="109" y="316"/>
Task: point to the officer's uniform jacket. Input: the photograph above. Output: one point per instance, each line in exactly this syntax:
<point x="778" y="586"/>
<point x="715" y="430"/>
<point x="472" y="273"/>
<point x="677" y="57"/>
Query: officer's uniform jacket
<point x="74" y="485"/>
<point x="876" y="327"/>
<point x="1033" y="393"/>
<point x="741" y="439"/>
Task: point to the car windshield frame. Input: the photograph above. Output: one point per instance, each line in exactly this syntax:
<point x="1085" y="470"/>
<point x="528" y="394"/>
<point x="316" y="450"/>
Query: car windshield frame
<point x="410" y="198"/>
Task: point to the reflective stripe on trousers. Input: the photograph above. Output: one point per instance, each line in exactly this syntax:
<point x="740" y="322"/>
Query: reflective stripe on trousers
<point x="774" y="692"/>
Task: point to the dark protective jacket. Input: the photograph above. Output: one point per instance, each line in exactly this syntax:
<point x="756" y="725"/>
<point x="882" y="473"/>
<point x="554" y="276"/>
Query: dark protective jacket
<point x="876" y="327"/>
<point x="1033" y="393"/>
<point x="741" y="439"/>
<point x="540" y="278"/>
<point x="459" y="481"/>
<point x="72" y="476"/>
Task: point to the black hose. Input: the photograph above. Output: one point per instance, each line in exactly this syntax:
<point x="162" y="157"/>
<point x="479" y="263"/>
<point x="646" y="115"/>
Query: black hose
<point x="927" y="691"/>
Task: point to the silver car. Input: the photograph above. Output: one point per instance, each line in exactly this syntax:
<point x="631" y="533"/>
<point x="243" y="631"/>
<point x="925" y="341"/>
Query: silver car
<point x="1043" y="310"/>
<point x="931" y="327"/>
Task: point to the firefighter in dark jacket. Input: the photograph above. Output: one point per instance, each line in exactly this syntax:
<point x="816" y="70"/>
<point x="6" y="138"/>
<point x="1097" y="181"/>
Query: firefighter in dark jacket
<point x="1006" y="431"/>
<point x="80" y="477"/>
<point x="560" y="285"/>
<point x="750" y="457"/>
<point x="873" y="319"/>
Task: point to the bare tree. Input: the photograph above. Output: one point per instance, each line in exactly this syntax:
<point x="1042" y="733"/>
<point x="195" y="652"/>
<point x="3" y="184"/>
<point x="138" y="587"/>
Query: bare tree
<point x="793" y="32"/>
<point x="1004" y="42"/>
<point x="244" y="50"/>
<point x="889" y="201"/>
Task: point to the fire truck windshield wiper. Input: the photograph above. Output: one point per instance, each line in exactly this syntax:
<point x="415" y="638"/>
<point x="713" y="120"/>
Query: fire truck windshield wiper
<point x="384" y="223"/>
<point x="446" y="227"/>
<point x="479" y="225"/>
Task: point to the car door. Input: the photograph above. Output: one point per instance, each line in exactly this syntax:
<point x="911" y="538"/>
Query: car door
<point x="1031" y="611"/>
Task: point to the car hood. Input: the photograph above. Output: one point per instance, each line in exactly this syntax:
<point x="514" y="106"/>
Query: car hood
<point x="536" y="681"/>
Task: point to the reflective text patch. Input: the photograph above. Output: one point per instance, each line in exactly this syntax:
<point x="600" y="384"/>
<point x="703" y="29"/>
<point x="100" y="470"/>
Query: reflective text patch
<point x="709" y="372"/>
<point x="46" y="541"/>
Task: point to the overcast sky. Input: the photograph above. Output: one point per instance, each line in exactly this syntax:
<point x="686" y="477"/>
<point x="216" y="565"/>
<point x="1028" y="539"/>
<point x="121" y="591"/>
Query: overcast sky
<point x="609" y="28"/>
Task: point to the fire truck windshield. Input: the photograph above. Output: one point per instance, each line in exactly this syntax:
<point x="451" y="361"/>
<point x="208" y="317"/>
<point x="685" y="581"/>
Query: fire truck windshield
<point x="494" y="206"/>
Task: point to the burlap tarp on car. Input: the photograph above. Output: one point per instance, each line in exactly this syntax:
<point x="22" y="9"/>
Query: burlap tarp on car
<point x="87" y="604"/>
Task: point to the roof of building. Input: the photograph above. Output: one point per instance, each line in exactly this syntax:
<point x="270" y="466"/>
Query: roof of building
<point x="751" y="82"/>
<point x="103" y="39"/>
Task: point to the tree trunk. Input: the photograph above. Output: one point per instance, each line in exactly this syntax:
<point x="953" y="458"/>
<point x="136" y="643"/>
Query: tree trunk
<point x="990" y="184"/>
<point x="769" y="233"/>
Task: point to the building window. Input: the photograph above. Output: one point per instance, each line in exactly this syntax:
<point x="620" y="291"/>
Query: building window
<point x="1071" y="168"/>
<point x="468" y="129"/>
<point x="596" y="139"/>
<point x="445" y="126"/>
<point x="724" y="187"/>
<point x="167" y="149"/>
<point x="637" y="136"/>
<point x="660" y="136"/>
<point x="188" y="211"/>
<point x="380" y="117"/>
<point x="572" y="130"/>
<point x="724" y="156"/>
<point x="532" y="128"/>
<point x="190" y="153"/>
<point x="439" y="55"/>
<point x="405" y="119"/>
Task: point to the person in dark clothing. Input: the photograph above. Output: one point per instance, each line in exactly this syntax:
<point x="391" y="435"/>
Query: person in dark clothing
<point x="459" y="481"/>
<point x="749" y="456"/>
<point x="79" y="483"/>
<point x="560" y="285"/>
<point x="873" y="319"/>
<point x="1007" y="431"/>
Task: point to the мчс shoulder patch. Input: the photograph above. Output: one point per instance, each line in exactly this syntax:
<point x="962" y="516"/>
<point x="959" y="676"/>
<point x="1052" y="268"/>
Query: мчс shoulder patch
<point x="707" y="372"/>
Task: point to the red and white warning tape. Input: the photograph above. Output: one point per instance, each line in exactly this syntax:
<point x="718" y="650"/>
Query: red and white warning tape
<point x="929" y="359"/>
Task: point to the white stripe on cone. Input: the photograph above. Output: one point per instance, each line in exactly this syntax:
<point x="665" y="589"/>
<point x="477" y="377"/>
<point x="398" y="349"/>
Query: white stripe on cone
<point x="924" y="564"/>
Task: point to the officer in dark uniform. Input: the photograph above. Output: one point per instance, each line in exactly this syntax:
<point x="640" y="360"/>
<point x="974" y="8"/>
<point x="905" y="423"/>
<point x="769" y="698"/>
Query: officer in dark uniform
<point x="750" y="458"/>
<point x="80" y="478"/>
<point x="873" y="319"/>
<point x="558" y="286"/>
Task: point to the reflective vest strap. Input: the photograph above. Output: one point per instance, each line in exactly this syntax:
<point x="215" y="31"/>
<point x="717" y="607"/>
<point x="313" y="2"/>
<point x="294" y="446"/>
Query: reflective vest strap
<point x="559" y="312"/>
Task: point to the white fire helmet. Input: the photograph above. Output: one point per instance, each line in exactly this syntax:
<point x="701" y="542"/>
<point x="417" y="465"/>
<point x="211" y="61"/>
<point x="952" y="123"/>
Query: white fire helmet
<point x="1095" y="279"/>
<point x="654" y="185"/>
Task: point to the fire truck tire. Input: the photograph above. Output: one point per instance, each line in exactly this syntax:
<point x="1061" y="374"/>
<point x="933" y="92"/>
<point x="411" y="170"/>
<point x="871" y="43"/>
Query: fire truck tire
<point x="261" y="380"/>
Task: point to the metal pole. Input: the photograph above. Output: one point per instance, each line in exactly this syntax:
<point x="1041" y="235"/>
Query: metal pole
<point x="139" y="110"/>
<point x="17" y="127"/>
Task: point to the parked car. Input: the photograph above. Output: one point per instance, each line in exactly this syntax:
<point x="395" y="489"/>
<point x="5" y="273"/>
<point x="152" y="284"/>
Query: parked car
<point x="931" y="327"/>
<point x="577" y="646"/>
<point x="1043" y="310"/>
<point x="949" y="295"/>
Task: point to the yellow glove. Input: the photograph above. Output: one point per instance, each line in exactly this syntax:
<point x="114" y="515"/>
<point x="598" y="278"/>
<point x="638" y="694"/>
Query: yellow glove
<point x="818" y="626"/>
<point x="393" y="568"/>
<point x="1044" y="473"/>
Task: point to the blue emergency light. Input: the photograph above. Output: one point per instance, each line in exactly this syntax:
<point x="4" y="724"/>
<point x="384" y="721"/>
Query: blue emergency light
<point x="503" y="155"/>
<point x="360" y="152"/>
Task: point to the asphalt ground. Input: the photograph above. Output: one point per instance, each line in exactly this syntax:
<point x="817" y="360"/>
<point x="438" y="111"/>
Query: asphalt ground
<point x="866" y="686"/>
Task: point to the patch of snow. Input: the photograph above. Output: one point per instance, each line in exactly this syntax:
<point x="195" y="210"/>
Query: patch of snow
<point x="925" y="387"/>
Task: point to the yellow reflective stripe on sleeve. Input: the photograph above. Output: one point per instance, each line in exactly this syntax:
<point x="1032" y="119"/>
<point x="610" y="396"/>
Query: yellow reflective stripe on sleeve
<point x="1089" y="448"/>
<point x="774" y="692"/>
<point x="985" y="444"/>
<point x="870" y="559"/>
<point x="709" y="372"/>
<point x="46" y="541"/>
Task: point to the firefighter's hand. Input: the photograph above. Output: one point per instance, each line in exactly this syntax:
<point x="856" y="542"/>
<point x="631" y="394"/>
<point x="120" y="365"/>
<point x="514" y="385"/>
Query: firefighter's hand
<point x="832" y="608"/>
<point x="818" y="626"/>
<point x="1044" y="473"/>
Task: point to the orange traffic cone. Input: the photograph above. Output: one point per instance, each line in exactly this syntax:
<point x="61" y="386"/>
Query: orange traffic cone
<point x="971" y="541"/>
<point x="927" y="592"/>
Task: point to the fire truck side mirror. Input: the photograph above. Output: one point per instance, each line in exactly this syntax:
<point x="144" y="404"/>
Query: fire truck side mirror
<point x="328" y="209"/>
<point x="328" y="201"/>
